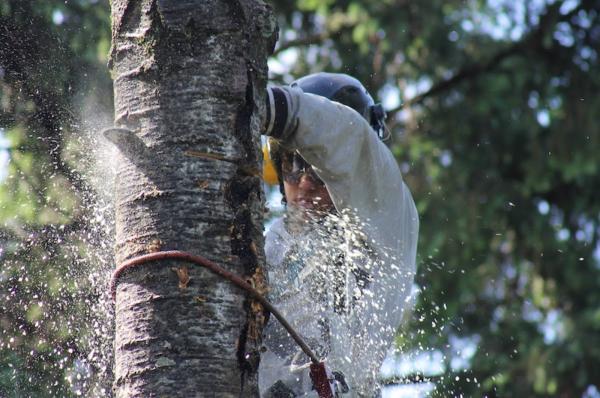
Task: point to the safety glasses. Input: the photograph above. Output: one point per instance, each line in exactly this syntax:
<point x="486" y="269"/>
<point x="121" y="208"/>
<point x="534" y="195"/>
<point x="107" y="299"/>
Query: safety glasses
<point x="293" y="167"/>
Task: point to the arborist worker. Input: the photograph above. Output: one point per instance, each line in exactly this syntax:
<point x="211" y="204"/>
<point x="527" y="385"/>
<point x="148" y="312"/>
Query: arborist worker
<point x="341" y="262"/>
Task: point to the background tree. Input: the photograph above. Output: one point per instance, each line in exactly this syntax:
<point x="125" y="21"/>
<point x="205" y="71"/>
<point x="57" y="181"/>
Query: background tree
<point x="494" y="130"/>
<point x="492" y="109"/>
<point x="54" y="87"/>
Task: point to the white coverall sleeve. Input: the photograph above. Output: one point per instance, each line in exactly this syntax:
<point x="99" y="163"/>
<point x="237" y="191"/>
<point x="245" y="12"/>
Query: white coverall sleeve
<point x="362" y="177"/>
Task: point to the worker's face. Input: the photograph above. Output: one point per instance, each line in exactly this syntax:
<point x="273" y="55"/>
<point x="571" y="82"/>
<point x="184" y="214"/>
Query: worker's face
<point x="303" y="188"/>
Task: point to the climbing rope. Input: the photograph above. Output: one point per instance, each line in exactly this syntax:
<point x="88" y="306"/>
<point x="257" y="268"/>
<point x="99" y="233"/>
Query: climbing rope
<point x="206" y="263"/>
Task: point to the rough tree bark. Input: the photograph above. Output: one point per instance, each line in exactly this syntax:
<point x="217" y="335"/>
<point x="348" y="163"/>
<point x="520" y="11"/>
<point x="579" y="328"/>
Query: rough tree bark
<point x="189" y="79"/>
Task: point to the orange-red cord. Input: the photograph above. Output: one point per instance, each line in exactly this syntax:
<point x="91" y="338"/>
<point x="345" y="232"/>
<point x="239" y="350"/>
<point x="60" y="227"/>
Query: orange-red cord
<point x="206" y="263"/>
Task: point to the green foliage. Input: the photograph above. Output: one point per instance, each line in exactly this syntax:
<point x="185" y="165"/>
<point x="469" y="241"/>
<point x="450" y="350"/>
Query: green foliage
<point x="497" y="133"/>
<point x="52" y="58"/>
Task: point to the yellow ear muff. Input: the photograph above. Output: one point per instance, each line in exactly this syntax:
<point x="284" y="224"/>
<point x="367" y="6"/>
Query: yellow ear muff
<point x="269" y="172"/>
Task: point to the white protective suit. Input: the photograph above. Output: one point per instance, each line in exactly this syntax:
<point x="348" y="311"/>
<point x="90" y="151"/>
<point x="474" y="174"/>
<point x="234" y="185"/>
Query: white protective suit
<point x="345" y="284"/>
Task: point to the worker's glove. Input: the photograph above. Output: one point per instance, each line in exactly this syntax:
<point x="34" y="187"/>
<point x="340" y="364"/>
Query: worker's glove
<point x="281" y="120"/>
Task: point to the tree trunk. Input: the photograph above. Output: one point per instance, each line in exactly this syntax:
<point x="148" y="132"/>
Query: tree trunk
<point x="189" y="79"/>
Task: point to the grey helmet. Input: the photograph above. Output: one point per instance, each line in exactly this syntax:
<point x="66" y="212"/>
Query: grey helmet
<point x="346" y="90"/>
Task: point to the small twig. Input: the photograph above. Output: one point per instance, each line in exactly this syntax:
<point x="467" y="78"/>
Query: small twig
<point x="211" y="156"/>
<point x="257" y="294"/>
<point x="249" y="171"/>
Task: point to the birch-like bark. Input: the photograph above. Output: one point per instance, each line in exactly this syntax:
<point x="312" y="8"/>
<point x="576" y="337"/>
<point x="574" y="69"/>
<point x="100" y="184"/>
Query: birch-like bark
<point x="189" y="79"/>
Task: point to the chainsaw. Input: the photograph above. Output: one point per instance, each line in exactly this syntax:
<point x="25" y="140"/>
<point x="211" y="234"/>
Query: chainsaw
<point x="328" y="384"/>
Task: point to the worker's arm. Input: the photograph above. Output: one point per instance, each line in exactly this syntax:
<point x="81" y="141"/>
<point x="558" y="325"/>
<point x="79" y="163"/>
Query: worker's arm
<point x="359" y="171"/>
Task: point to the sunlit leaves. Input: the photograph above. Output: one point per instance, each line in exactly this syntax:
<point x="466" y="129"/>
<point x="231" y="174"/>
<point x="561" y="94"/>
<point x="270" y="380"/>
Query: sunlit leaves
<point x="48" y="55"/>
<point x="504" y="168"/>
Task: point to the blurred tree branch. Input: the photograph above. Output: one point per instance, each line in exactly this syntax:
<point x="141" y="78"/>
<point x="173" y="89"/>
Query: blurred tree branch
<point x="44" y="236"/>
<point x="301" y="42"/>
<point x="534" y="41"/>
<point x="20" y="43"/>
<point x="331" y="32"/>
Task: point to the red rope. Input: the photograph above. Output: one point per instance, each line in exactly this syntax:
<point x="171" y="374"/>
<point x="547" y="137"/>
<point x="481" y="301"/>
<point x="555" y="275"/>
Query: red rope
<point x="206" y="263"/>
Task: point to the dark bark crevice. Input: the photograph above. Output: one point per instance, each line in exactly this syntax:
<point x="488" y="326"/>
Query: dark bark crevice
<point x="242" y="191"/>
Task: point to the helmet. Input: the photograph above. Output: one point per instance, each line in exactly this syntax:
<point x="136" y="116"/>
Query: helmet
<point x="346" y="90"/>
<point x="337" y="87"/>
